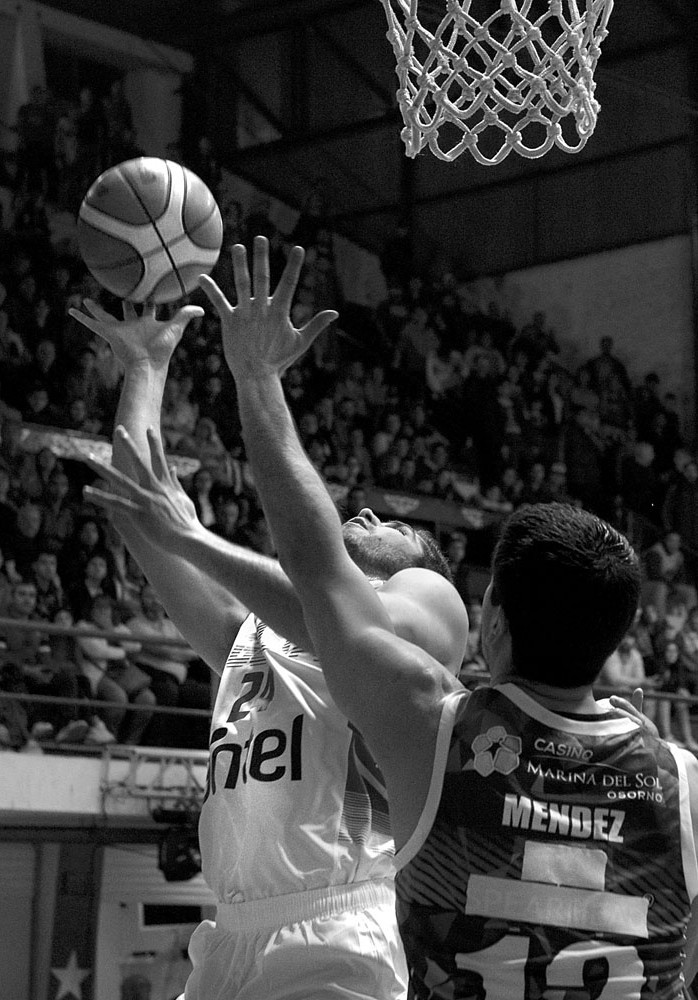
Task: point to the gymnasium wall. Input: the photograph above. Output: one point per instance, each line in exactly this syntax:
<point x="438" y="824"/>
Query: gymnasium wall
<point x="640" y="295"/>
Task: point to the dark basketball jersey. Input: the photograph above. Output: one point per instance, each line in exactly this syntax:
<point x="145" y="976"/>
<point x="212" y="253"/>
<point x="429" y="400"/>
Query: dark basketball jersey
<point x="554" y="859"/>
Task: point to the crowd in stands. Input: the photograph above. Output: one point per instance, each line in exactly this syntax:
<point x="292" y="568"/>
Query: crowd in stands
<point x="423" y="395"/>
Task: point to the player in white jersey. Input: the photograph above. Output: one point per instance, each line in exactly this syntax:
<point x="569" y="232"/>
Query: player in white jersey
<point x="546" y="843"/>
<point x="294" y="833"/>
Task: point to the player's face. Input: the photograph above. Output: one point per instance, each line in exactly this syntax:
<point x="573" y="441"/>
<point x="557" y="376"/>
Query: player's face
<point x="381" y="548"/>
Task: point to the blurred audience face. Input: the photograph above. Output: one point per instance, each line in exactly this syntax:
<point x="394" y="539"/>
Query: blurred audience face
<point x="24" y="599"/>
<point x="46" y="566"/>
<point x="89" y="534"/>
<point x="96" y="569"/>
<point x="29" y="520"/>
<point x="150" y="604"/>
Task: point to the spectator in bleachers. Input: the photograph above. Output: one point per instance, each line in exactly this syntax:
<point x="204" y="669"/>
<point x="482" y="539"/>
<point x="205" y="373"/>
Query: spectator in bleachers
<point x="556" y="487"/>
<point x="25" y="542"/>
<point x="641" y="485"/>
<point x="36" y="472"/>
<point x="76" y="417"/>
<point x="8" y="511"/>
<point x="50" y="597"/>
<point x="58" y="509"/>
<point x="112" y="675"/>
<point x="671" y="676"/>
<point x="474" y="670"/>
<point x="456" y="555"/>
<point x="511" y="485"/>
<point x="206" y="445"/>
<point x="91" y="138"/>
<point x="665" y="440"/>
<point x="35" y="126"/>
<point x="624" y="669"/>
<point x="582" y="394"/>
<point x="584" y="454"/>
<point x="206" y="163"/>
<point x="65" y="151"/>
<point x="644" y="630"/>
<point x="37" y="407"/>
<point x="28" y="668"/>
<point x="604" y="365"/>
<point x="202" y="494"/>
<point x="647" y="404"/>
<point x="179" y="411"/>
<point x="84" y="381"/>
<point x="96" y="580"/>
<point x="680" y="514"/>
<point x="665" y="574"/>
<point x="229" y="518"/>
<point x="172" y="680"/>
<point x="118" y="122"/>
<point x="14" y="354"/>
<point x="484" y="418"/>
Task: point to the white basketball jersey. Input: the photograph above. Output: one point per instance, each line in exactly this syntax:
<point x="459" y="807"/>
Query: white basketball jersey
<point x="294" y="800"/>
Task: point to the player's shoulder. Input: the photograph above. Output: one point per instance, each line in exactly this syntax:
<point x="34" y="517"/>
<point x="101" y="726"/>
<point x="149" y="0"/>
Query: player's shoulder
<point x="418" y="580"/>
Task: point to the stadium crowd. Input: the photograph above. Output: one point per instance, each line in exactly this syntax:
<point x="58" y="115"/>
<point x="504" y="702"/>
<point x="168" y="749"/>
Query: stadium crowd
<point x="424" y="395"/>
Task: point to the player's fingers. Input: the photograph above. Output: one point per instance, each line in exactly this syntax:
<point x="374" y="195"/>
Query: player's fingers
<point x="91" y="324"/>
<point x="261" y="269"/>
<point x="286" y="289"/>
<point x="149" y="310"/>
<point x="129" y="311"/>
<point x="317" y="324"/>
<point x="186" y="314"/>
<point x="637" y="698"/>
<point x="158" y="461"/>
<point x="111" y="501"/>
<point x="214" y="295"/>
<point x="143" y="471"/>
<point x="174" y="478"/>
<point x="96" y="310"/>
<point x="241" y="273"/>
<point x="113" y="476"/>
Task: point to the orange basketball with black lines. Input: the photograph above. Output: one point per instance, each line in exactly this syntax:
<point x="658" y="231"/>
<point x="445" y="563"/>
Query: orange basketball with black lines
<point x="147" y="228"/>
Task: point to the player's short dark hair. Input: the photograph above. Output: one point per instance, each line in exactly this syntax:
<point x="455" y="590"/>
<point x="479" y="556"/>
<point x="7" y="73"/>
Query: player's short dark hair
<point x="569" y="585"/>
<point x="433" y="556"/>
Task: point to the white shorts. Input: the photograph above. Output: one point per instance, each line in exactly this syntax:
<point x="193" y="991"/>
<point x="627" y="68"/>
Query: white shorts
<point x="338" y="943"/>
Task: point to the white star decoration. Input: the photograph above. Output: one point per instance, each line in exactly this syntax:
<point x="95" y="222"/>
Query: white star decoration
<point x="70" y="978"/>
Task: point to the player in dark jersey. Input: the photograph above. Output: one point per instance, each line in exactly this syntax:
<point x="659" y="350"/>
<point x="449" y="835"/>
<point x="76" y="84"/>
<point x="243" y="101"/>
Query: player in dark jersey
<point x="546" y="841"/>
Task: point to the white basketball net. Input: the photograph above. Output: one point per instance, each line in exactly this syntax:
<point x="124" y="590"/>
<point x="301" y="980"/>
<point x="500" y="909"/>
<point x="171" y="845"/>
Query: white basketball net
<point x="521" y="70"/>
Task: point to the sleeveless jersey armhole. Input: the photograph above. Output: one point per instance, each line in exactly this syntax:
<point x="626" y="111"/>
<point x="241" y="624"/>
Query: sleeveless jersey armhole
<point x="443" y="743"/>
<point x="688" y="844"/>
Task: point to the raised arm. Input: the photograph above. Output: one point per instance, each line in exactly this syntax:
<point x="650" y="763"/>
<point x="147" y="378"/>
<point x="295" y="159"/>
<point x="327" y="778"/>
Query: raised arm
<point x="389" y="687"/>
<point x="206" y="592"/>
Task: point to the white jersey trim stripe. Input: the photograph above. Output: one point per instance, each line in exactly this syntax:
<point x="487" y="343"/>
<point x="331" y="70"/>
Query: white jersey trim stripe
<point x="595" y="727"/>
<point x="426" y="820"/>
<point x="688" y="844"/>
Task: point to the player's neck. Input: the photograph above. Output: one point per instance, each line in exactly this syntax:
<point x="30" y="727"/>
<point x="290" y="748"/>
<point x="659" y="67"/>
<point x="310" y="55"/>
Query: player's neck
<point x="575" y="701"/>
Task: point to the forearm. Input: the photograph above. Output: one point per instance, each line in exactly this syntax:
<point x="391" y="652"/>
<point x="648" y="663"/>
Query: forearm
<point x="139" y="407"/>
<point x="304" y="521"/>
<point x="229" y="577"/>
<point x="205" y="612"/>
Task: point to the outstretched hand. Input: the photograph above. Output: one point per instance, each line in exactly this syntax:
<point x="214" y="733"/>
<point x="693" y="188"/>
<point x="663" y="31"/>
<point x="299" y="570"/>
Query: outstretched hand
<point x="137" y="339"/>
<point x="155" y="501"/>
<point x="633" y="710"/>
<point x="259" y="338"/>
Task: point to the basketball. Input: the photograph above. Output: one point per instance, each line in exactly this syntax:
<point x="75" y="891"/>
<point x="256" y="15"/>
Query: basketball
<point x="147" y="228"/>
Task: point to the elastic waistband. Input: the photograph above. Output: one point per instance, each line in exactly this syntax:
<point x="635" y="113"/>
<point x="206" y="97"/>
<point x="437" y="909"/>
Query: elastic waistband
<point x="293" y="907"/>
